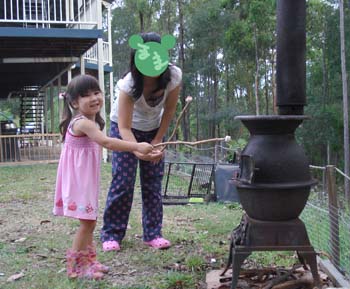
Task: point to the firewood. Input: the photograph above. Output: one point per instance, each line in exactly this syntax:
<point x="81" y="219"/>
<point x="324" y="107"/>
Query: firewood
<point x="306" y="279"/>
<point x="257" y="272"/>
<point x="281" y="278"/>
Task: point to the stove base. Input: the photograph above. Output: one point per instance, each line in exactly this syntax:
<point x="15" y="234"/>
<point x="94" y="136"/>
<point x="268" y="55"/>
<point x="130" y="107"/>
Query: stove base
<point x="254" y="235"/>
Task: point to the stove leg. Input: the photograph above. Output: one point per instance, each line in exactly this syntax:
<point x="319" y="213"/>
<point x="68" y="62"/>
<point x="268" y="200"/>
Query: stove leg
<point x="237" y="261"/>
<point x="302" y="261"/>
<point x="310" y="258"/>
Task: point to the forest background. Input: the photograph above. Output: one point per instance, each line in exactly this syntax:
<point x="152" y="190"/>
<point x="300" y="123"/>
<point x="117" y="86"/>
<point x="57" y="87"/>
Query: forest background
<point x="227" y="51"/>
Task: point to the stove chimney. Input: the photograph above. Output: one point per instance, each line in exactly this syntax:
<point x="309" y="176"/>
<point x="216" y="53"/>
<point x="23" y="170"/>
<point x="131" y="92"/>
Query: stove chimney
<point x="291" y="67"/>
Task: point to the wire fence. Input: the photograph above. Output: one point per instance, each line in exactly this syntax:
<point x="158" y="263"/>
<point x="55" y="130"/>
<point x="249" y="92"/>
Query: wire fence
<point x="327" y="217"/>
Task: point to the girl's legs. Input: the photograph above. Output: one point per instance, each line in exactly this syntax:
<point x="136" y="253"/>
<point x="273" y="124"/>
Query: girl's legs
<point x="80" y="260"/>
<point x="120" y="194"/>
<point x="97" y="266"/>
<point x="83" y="237"/>
<point x="151" y="176"/>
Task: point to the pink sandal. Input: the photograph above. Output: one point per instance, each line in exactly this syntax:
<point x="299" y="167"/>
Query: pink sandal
<point x="110" y="246"/>
<point x="158" y="243"/>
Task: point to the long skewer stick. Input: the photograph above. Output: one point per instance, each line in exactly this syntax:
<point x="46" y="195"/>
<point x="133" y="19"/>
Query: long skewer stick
<point x="188" y="101"/>
<point x="194" y="143"/>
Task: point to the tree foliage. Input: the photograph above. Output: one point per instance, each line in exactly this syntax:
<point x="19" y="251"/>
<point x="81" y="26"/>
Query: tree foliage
<point x="229" y="61"/>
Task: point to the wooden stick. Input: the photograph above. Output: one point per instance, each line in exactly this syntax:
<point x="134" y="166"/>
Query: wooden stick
<point x="191" y="143"/>
<point x="188" y="101"/>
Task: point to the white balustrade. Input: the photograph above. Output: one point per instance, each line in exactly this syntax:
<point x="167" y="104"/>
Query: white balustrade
<point x="49" y="13"/>
<point x="91" y="54"/>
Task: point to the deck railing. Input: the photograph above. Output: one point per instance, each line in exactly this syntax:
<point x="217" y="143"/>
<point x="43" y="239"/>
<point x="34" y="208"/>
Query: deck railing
<point x="29" y="148"/>
<point x="92" y="56"/>
<point x="49" y="13"/>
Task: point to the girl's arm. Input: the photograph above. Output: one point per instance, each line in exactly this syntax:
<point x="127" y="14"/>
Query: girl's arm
<point x="168" y="114"/>
<point x="89" y="128"/>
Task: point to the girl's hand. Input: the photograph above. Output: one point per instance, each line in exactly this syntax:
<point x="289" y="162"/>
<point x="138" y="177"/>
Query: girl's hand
<point x="144" y="147"/>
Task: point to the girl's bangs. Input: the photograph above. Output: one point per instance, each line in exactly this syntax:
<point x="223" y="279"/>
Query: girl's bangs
<point x="86" y="84"/>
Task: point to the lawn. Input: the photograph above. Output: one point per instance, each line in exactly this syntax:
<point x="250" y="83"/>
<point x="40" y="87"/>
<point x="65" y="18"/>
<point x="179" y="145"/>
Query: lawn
<point x="33" y="241"/>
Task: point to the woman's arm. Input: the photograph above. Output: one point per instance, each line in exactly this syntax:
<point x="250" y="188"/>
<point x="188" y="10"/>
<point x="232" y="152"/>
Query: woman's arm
<point x="125" y="112"/>
<point x="168" y="114"/>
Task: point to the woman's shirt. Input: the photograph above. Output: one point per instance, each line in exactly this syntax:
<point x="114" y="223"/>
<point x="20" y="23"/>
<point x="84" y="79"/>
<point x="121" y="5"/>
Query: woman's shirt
<point x="146" y="117"/>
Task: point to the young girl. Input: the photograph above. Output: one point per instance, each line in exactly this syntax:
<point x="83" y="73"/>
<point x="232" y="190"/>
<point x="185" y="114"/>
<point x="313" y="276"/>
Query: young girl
<point x="78" y="176"/>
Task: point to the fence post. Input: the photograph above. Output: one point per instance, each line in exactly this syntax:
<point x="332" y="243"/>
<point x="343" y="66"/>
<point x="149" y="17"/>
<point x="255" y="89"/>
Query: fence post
<point x="167" y="179"/>
<point x="215" y="153"/>
<point x="211" y="179"/>
<point x="191" y="181"/>
<point x="333" y="215"/>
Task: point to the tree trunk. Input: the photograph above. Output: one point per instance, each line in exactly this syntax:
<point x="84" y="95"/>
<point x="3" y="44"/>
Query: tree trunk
<point x="324" y="71"/>
<point x="142" y="24"/>
<point x="197" y="107"/>
<point x="345" y="101"/>
<point x="169" y="28"/>
<point x="215" y="99"/>
<point x="266" y="89"/>
<point x="210" y="105"/>
<point x="273" y="84"/>
<point x="185" y="119"/>
<point x="257" y="104"/>
<point x="325" y="82"/>
<point x="227" y="98"/>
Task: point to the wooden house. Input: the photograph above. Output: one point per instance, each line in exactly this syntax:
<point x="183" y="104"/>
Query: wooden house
<point x="43" y="44"/>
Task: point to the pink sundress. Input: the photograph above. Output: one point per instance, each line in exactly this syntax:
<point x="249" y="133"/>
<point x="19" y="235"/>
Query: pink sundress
<point x="78" y="177"/>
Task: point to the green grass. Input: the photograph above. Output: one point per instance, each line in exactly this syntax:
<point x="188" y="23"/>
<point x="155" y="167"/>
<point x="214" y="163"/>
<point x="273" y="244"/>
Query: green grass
<point x="26" y="183"/>
<point x="177" y="280"/>
<point x="33" y="241"/>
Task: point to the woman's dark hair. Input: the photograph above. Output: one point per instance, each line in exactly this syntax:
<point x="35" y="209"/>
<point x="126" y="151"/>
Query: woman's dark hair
<point x="78" y="87"/>
<point x="137" y="76"/>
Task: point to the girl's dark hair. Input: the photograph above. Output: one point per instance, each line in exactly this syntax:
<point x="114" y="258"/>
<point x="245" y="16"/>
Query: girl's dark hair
<point x="78" y="87"/>
<point x="137" y="76"/>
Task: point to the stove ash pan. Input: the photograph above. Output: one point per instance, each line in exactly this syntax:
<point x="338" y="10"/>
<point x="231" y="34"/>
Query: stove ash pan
<point x="274" y="181"/>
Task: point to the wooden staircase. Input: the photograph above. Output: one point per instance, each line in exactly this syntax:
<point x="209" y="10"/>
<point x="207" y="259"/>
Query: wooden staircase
<point x="32" y="111"/>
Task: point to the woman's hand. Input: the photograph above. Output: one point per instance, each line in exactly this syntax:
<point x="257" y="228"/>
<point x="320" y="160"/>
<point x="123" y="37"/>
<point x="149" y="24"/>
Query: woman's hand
<point x="158" y="152"/>
<point x="154" y="156"/>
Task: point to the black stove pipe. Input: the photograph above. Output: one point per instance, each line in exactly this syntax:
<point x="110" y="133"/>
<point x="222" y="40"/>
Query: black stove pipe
<point x="291" y="67"/>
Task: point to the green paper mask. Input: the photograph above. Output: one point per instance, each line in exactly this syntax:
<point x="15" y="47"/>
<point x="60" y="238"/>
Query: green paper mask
<point x="152" y="58"/>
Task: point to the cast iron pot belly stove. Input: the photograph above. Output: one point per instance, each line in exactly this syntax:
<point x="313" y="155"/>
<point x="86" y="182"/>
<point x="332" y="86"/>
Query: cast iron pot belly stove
<point x="274" y="180"/>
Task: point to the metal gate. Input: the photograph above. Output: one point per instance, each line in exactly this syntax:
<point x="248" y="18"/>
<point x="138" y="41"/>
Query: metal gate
<point x="183" y="181"/>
